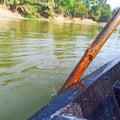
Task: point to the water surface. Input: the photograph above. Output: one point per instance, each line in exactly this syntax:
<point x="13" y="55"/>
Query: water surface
<point x="36" y="57"/>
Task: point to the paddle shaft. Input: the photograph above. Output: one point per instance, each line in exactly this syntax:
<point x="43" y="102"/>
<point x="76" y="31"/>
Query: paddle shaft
<point x="91" y="52"/>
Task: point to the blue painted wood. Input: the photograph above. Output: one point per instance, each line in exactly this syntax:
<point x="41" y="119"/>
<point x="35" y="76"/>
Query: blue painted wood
<point x="57" y="103"/>
<point x="116" y="89"/>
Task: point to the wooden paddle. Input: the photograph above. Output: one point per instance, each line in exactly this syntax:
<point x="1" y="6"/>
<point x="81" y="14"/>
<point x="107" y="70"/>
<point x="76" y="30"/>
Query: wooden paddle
<point x="91" y="52"/>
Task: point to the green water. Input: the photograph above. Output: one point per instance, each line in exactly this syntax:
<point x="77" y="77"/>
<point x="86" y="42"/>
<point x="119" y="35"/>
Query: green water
<point x="36" y="57"/>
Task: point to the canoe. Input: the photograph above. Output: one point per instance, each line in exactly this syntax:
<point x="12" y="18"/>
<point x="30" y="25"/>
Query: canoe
<point x="99" y="99"/>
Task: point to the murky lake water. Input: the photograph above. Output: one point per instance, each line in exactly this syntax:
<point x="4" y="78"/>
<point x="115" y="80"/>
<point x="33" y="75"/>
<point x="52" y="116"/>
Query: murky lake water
<point x="36" y="57"/>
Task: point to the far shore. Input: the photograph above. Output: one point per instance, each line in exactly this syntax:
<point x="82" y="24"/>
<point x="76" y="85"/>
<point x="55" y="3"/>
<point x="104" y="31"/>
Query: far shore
<point x="7" y="14"/>
<point x="76" y="20"/>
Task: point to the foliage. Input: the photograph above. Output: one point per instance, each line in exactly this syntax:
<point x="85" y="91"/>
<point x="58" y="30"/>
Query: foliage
<point x="45" y="10"/>
<point x="101" y="12"/>
<point x="105" y="13"/>
<point x="80" y="10"/>
<point x="65" y="7"/>
<point x="95" y="13"/>
<point x="97" y="10"/>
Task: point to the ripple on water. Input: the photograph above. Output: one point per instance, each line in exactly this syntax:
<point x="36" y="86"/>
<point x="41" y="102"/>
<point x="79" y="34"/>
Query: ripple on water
<point x="12" y="81"/>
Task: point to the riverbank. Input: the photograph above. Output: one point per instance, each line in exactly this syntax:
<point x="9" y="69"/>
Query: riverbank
<point x="73" y="20"/>
<point x="7" y="14"/>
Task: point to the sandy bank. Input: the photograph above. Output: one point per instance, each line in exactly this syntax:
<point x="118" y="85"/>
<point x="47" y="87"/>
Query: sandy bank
<point x="5" y="13"/>
<point x="73" y="20"/>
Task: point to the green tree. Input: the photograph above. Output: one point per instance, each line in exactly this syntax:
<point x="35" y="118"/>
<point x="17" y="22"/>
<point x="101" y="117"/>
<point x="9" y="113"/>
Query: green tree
<point x="106" y="13"/>
<point x="101" y="11"/>
<point x="80" y="10"/>
<point x="66" y="7"/>
<point x="95" y="13"/>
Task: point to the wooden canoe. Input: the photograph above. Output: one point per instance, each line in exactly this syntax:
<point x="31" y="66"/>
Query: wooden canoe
<point x="98" y="100"/>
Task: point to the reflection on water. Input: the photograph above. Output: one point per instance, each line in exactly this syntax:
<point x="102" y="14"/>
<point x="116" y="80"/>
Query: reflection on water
<point x="36" y="57"/>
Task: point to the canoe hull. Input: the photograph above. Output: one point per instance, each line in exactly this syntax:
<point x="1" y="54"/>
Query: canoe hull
<point x="95" y="101"/>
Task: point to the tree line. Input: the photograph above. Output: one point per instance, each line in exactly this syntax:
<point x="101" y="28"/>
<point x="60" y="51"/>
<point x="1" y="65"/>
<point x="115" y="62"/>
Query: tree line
<point x="98" y="10"/>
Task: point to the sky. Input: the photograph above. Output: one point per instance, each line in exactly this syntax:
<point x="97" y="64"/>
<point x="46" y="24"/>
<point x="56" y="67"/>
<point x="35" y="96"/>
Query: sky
<point x="114" y="3"/>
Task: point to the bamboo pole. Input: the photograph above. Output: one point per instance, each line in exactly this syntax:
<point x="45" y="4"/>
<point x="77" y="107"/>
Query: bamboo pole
<point x="91" y="52"/>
